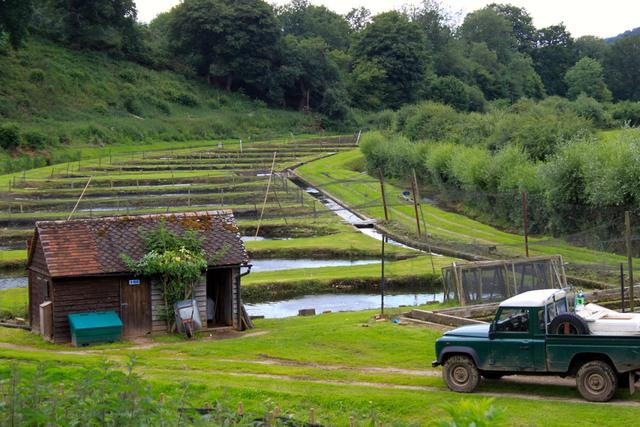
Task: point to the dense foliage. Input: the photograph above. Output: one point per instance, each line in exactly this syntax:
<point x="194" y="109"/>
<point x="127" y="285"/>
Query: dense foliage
<point x="574" y="180"/>
<point x="178" y="261"/>
<point x="308" y="57"/>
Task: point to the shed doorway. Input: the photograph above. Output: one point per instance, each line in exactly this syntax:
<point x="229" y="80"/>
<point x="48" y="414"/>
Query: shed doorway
<point x="135" y="306"/>
<point x="219" y="298"/>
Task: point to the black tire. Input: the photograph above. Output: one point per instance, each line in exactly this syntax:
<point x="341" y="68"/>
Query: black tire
<point x="568" y="324"/>
<point x="597" y="381"/>
<point x="461" y="374"/>
<point x="492" y="375"/>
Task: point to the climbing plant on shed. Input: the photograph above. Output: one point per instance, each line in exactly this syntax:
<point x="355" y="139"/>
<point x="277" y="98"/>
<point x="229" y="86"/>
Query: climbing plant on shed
<point x="177" y="260"/>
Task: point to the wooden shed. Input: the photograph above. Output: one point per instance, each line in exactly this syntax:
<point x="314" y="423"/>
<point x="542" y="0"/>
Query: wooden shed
<point x="76" y="266"/>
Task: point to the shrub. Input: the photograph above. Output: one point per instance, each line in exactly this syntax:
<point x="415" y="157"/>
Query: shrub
<point x="431" y="121"/>
<point x="183" y="98"/>
<point x="36" y="76"/>
<point x="36" y="140"/>
<point x="129" y="76"/>
<point x="452" y="91"/>
<point x="627" y="113"/>
<point x="9" y="136"/>
<point x="588" y="108"/>
<point x="438" y="162"/>
<point x="132" y="105"/>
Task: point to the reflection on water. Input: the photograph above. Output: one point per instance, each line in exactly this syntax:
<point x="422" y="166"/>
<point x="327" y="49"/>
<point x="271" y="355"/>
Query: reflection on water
<point x="259" y="265"/>
<point x="338" y="302"/>
<point x="13" y="282"/>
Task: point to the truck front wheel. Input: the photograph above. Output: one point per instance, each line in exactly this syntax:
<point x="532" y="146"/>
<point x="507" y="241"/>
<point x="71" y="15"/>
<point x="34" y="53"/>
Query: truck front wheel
<point x="461" y="374"/>
<point x="597" y="381"/>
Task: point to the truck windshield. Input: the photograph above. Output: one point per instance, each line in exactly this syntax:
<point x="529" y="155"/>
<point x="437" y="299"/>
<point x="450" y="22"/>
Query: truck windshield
<point x="513" y="320"/>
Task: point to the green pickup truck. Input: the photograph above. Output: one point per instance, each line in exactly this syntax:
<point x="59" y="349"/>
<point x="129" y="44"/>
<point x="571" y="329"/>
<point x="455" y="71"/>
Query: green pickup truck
<point x="535" y="334"/>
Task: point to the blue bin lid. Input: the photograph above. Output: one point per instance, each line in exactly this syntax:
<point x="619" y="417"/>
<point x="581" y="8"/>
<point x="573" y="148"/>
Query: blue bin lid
<point x="94" y="320"/>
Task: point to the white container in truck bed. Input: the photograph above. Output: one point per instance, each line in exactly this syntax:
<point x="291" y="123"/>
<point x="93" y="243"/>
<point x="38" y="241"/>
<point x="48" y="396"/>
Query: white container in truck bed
<point x="602" y="321"/>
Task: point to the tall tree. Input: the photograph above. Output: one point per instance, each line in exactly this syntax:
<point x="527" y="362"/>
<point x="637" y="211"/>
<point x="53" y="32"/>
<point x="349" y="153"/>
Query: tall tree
<point x="521" y="24"/>
<point x="587" y="77"/>
<point x="553" y="57"/>
<point x="622" y="65"/>
<point x="358" y="18"/>
<point x="98" y="24"/>
<point x="493" y="28"/>
<point x="14" y="19"/>
<point x="307" y="70"/>
<point x="593" y="47"/>
<point x="232" y="42"/>
<point x="397" y="48"/>
<point x="302" y="19"/>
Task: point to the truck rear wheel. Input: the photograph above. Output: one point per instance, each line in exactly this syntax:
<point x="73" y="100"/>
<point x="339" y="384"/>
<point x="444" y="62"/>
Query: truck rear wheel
<point x="461" y="374"/>
<point x="597" y="381"/>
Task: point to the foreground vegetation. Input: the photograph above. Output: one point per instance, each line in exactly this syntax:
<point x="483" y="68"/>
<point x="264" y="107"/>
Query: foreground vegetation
<point x="341" y="364"/>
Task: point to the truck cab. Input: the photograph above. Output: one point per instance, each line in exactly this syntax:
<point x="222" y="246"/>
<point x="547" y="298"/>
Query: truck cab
<point x="535" y="334"/>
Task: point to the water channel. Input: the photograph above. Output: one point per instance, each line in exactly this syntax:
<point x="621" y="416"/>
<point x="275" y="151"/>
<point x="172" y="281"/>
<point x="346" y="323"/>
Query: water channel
<point x="338" y="302"/>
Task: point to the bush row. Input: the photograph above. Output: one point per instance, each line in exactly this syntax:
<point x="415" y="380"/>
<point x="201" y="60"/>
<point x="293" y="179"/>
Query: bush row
<point x="586" y="182"/>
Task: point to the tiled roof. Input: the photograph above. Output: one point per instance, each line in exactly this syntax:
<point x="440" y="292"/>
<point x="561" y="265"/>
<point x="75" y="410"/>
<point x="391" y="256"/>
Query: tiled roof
<point x="95" y="246"/>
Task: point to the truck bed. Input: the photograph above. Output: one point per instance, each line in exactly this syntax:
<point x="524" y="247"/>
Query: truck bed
<point x="623" y="351"/>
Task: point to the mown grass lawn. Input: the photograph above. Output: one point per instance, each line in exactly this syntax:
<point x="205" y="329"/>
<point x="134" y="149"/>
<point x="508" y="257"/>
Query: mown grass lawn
<point x="340" y="364"/>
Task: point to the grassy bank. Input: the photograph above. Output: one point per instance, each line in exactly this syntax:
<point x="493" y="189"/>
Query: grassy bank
<point x="415" y="274"/>
<point x="13" y="303"/>
<point x="340" y="364"/>
<point x="341" y="176"/>
<point x="70" y="98"/>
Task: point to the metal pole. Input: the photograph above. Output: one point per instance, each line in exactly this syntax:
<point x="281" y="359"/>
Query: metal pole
<point x="384" y="198"/>
<point x="382" y="275"/>
<point x="627" y="227"/>
<point x="622" y="287"/>
<point x="525" y="221"/>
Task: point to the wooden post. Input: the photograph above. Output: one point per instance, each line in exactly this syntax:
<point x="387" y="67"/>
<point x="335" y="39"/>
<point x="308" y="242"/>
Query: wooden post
<point x="382" y="275"/>
<point x="266" y="195"/>
<point x="312" y="416"/>
<point x="622" y="287"/>
<point x="414" y="190"/>
<point x="627" y="228"/>
<point x="384" y="198"/>
<point x="525" y="222"/>
<point x="80" y="198"/>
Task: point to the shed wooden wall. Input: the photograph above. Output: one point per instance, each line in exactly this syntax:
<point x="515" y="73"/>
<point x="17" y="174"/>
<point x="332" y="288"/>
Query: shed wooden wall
<point x="38" y="276"/>
<point x="158" y="319"/>
<point x="80" y="295"/>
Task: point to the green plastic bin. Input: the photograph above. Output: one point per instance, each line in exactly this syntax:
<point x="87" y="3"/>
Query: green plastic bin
<point x="95" y="327"/>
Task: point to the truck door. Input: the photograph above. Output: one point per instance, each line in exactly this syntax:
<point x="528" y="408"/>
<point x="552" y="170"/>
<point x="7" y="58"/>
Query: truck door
<point x="512" y="346"/>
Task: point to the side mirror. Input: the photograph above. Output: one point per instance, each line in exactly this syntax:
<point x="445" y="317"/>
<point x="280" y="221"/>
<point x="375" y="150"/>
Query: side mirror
<point x="492" y="331"/>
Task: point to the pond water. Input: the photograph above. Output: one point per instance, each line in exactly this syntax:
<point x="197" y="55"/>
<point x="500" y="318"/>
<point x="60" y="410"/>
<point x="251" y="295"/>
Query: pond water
<point x="13" y="282"/>
<point x="259" y="265"/>
<point x="338" y="302"/>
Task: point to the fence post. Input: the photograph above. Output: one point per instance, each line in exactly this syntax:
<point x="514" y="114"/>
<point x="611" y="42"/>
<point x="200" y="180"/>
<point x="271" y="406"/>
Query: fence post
<point x="525" y="222"/>
<point x="627" y="227"/>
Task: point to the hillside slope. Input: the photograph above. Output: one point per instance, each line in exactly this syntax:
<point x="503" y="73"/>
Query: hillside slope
<point x="60" y="96"/>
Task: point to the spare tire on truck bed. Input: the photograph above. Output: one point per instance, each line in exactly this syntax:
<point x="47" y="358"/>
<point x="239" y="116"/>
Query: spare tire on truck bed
<point x="568" y="324"/>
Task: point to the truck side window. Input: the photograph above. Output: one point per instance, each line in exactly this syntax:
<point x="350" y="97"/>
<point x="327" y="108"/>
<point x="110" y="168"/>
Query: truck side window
<point x="551" y="312"/>
<point x="561" y="306"/>
<point x="513" y="320"/>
